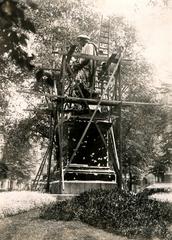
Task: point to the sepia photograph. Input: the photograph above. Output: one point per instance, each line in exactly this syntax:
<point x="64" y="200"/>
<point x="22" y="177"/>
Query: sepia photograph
<point x="85" y="120"/>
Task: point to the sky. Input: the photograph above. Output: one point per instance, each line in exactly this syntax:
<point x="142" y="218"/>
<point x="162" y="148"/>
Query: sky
<point x="153" y="24"/>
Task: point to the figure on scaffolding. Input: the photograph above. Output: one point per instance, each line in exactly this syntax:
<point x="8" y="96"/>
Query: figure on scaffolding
<point x="84" y="69"/>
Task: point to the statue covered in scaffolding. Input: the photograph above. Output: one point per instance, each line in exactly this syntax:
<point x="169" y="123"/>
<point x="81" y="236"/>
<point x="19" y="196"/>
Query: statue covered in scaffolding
<point x="84" y="141"/>
<point x="84" y="69"/>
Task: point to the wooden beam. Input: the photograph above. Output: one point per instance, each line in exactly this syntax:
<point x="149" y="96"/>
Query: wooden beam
<point x="120" y="129"/>
<point x="91" y="171"/>
<point x="107" y="102"/>
<point x="51" y="143"/>
<point x="96" y="101"/>
<point x="87" y="56"/>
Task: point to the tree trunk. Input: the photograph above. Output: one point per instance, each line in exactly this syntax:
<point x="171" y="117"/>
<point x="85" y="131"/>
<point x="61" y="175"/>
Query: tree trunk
<point x="11" y="183"/>
<point x="130" y="181"/>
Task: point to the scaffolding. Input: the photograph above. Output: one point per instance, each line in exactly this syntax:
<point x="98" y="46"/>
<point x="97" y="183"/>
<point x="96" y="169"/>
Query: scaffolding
<point x="85" y="132"/>
<point x="82" y="130"/>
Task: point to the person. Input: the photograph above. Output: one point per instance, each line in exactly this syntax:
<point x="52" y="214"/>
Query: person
<point x="85" y="68"/>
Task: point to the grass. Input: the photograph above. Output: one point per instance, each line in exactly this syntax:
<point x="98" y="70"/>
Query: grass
<point x="162" y="197"/>
<point x="28" y="226"/>
<point x="116" y="212"/>
<point x="15" y="202"/>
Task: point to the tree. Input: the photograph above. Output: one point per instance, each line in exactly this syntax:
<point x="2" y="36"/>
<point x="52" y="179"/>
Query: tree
<point x="163" y="160"/>
<point x="21" y="161"/>
<point x="158" y="3"/>
<point x="58" y="23"/>
<point x="142" y="126"/>
<point x="3" y="170"/>
<point x="15" y="60"/>
<point x="14" y="27"/>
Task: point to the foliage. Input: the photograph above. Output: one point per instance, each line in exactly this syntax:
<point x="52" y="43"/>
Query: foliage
<point x="163" y="160"/>
<point x="3" y="170"/>
<point x="58" y="23"/>
<point x="17" y="152"/>
<point x="15" y="60"/>
<point x="160" y="3"/>
<point x="142" y="125"/>
<point x="14" y="27"/>
<point x="115" y="211"/>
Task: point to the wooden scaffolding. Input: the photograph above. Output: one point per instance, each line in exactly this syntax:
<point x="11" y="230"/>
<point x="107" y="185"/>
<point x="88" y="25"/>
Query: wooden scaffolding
<point x="84" y="140"/>
<point x="85" y="133"/>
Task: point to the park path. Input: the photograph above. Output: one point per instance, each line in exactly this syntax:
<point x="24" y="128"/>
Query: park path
<point x="28" y="226"/>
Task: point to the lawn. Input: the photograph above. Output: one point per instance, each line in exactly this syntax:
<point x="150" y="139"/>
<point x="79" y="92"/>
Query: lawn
<point x="162" y="197"/>
<point x="92" y="216"/>
<point x="15" y="202"/>
<point x="28" y="226"/>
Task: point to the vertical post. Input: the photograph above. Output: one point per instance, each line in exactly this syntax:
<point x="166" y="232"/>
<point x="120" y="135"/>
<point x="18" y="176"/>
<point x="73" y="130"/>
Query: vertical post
<point x="59" y="144"/>
<point x="120" y="127"/>
<point x="114" y="95"/>
<point x="60" y="133"/>
<point x="60" y="129"/>
<point x="51" y="137"/>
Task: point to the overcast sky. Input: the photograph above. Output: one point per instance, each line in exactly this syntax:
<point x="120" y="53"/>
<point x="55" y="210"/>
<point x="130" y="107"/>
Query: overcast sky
<point x="154" y="30"/>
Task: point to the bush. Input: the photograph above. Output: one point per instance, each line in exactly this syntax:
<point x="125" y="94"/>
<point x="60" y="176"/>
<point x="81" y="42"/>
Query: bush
<point x="115" y="211"/>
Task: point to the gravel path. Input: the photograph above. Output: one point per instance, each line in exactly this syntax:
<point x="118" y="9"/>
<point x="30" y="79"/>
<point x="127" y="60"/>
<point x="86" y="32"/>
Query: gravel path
<point x="28" y="226"/>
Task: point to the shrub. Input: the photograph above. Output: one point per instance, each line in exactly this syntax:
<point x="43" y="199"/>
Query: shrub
<point x="115" y="211"/>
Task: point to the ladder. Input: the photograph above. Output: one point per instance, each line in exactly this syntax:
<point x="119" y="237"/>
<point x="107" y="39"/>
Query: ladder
<point x="104" y="36"/>
<point x="39" y="173"/>
<point x="103" y="51"/>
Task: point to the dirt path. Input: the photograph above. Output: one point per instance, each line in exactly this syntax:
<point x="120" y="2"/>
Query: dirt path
<point x="28" y="226"/>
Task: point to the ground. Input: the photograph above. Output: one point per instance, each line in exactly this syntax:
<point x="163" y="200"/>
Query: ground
<point x="28" y="226"/>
